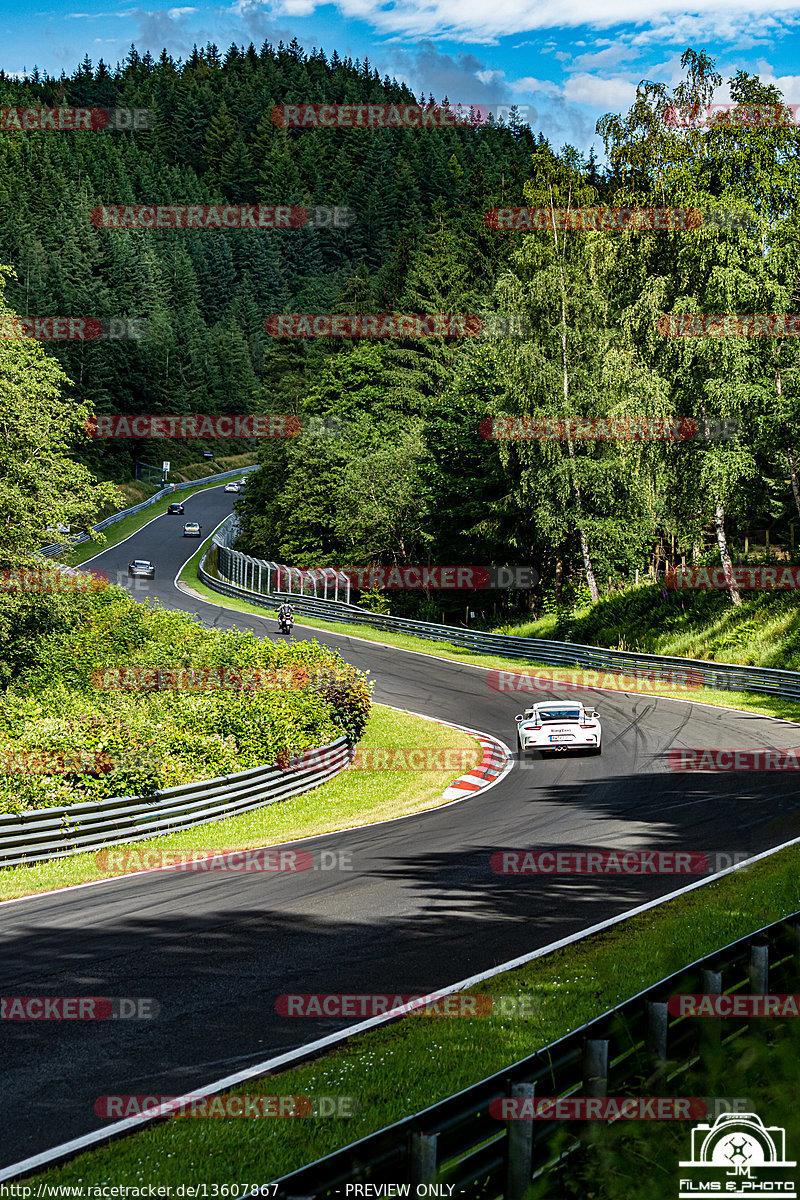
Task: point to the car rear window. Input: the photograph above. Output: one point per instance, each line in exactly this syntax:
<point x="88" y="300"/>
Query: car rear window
<point x="560" y="714"/>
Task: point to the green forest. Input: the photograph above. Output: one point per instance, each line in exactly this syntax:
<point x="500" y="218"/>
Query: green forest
<point x="398" y="470"/>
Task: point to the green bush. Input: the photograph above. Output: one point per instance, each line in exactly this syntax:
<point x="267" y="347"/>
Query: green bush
<point x="120" y="698"/>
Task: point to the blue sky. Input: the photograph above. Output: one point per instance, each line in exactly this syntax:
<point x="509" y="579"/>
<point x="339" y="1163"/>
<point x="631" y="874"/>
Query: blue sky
<point x="474" y="52"/>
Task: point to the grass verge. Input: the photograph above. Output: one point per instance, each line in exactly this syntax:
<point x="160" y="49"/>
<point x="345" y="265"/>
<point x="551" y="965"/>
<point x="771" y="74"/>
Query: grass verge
<point x="392" y="1072"/>
<point x="763" y="631"/>
<point x="769" y="706"/>
<point x="354" y="797"/>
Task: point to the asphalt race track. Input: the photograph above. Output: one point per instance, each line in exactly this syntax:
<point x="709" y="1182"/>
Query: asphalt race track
<point x="420" y="908"/>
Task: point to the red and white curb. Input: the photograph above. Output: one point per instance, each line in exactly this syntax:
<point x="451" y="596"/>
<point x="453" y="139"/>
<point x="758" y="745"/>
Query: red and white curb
<point x="497" y="760"/>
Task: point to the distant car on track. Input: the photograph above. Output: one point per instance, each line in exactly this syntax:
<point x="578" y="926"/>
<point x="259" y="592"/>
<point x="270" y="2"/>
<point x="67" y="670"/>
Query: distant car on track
<point x="231" y="487"/>
<point x="142" y="568"/>
<point x="192" y="529"/>
<point x="175" y="508"/>
<point x="559" y="725"/>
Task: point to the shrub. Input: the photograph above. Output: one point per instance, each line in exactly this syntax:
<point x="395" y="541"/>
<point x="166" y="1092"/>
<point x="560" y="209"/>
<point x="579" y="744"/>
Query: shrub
<point x="66" y="736"/>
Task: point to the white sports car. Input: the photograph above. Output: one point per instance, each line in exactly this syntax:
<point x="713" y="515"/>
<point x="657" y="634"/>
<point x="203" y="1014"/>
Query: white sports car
<point x="559" y="725"/>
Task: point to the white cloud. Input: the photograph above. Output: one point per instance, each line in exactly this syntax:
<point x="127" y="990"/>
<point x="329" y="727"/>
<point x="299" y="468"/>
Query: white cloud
<point x="529" y="84"/>
<point x="474" y="20"/>
<point x="788" y="85"/>
<point x="610" y="56"/>
<point x="616" y="94"/>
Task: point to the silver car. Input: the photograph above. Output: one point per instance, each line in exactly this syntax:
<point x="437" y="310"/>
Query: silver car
<point x="142" y="568"/>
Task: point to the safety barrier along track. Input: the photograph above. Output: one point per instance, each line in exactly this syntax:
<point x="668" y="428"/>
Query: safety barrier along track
<point x="464" y="1138"/>
<point x="231" y="570"/>
<point x="57" y="832"/>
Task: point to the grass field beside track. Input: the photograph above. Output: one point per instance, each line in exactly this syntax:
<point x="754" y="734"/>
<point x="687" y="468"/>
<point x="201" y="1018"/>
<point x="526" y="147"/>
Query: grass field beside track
<point x="354" y="797"/>
<point x="392" y="1072"/>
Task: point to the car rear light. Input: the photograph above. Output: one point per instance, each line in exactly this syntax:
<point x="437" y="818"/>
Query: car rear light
<point x="587" y="726"/>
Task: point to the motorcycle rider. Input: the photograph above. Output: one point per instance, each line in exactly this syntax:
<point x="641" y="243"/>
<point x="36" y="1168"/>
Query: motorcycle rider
<point x="284" y="613"/>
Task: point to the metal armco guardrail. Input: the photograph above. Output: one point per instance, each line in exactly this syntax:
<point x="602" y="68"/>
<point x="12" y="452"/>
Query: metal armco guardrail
<point x="57" y="547"/>
<point x="483" y="1158"/>
<point x="58" y="832"/>
<point x="235" y="569"/>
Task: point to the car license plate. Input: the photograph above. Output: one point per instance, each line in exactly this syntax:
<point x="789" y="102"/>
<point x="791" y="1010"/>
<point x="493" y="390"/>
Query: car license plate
<point x="560" y="737"/>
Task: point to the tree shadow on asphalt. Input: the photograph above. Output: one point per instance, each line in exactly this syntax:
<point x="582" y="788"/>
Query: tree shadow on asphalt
<point x="216" y="950"/>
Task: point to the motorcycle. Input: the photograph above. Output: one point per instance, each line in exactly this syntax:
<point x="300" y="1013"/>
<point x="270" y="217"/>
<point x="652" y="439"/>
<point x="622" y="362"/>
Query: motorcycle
<point x="286" y="623"/>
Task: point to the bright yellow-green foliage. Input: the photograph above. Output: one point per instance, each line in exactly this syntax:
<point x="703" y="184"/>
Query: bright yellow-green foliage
<point x="104" y="696"/>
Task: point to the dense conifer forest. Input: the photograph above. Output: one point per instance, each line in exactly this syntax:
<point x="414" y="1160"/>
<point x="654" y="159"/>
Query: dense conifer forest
<point x="408" y="475"/>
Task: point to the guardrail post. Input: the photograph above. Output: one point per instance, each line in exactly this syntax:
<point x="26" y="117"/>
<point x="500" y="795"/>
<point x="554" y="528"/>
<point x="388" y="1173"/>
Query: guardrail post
<point x="519" y="1148"/>
<point x="595" y="1068"/>
<point x="711" y="985"/>
<point x="657" y="1029"/>
<point x="423" y="1157"/>
<point x="758" y="971"/>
